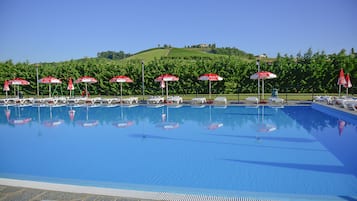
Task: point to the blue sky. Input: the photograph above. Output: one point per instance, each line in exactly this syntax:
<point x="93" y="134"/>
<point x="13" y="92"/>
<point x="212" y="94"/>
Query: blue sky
<point x="59" y="30"/>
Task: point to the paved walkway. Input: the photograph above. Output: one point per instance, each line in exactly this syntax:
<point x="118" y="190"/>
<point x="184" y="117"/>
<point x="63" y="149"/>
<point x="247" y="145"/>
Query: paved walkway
<point x="9" y="193"/>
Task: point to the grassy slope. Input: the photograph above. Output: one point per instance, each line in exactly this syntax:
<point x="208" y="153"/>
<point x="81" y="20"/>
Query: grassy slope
<point x="149" y="55"/>
<point x="189" y="52"/>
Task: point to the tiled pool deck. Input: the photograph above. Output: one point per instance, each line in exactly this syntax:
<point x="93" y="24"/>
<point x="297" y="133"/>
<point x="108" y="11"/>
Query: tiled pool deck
<point x="18" y="191"/>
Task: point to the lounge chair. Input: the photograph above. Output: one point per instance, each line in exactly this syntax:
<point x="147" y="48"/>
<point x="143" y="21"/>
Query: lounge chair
<point x="220" y="100"/>
<point x="342" y="101"/>
<point x="130" y="100"/>
<point x="155" y="100"/>
<point x="93" y="100"/>
<point x="23" y="100"/>
<point x="109" y="100"/>
<point x="327" y="99"/>
<point x="252" y="99"/>
<point x="276" y="100"/>
<point x="201" y="100"/>
<point x="349" y="104"/>
<point x="4" y="101"/>
<point x="174" y="99"/>
<point x="73" y="101"/>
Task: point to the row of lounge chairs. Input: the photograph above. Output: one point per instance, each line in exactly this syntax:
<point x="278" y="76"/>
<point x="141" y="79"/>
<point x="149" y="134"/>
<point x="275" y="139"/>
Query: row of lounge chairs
<point x="67" y="100"/>
<point x="255" y="100"/>
<point x="349" y="103"/>
<point x="129" y="100"/>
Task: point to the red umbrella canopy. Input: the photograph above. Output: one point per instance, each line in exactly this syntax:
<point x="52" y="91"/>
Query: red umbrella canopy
<point x="166" y="77"/>
<point x="210" y="77"/>
<point x="70" y="85"/>
<point x="6" y="86"/>
<point x="341" y="78"/>
<point x="263" y="75"/>
<point x="86" y="79"/>
<point x="19" y="81"/>
<point x="121" y="78"/>
<point x="348" y="81"/>
<point x="50" y="80"/>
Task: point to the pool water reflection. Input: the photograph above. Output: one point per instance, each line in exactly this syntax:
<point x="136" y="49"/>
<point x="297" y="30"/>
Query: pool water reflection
<point x="221" y="150"/>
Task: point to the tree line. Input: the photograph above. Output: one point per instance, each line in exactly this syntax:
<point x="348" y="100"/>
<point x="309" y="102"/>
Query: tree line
<point x="309" y="72"/>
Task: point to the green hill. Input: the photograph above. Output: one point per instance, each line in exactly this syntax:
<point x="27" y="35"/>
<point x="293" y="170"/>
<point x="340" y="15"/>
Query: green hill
<point x="151" y="54"/>
<point x="182" y="53"/>
<point x="189" y="52"/>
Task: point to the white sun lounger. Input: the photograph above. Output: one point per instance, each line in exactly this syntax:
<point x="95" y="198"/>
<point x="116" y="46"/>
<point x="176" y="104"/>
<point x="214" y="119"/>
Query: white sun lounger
<point x="109" y="100"/>
<point x="72" y="101"/>
<point x="220" y="100"/>
<point x="155" y="100"/>
<point x="349" y="104"/>
<point x="252" y="99"/>
<point x="352" y="106"/>
<point x="130" y="100"/>
<point x="93" y="100"/>
<point x="4" y="101"/>
<point x="200" y="100"/>
<point x="174" y="99"/>
<point x="276" y="100"/>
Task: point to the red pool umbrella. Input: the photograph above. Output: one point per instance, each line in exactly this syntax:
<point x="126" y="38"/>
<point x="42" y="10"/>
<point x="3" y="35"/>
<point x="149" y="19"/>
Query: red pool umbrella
<point x="341" y="126"/>
<point x="71" y="114"/>
<point x="7" y="114"/>
<point x="70" y="86"/>
<point x="52" y="122"/>
<point x="121" y="79"/>
<point x="166" y="78"/>
<point x="348" y="83"/>
<point x="341" y="81"/>
<point x="19" y="81"/>
<point x="50" y="80"/>
<point x="165" y="123"/>
<point x="210" y="77"/>
<point x="87" y="122"/>
<point x="262" y="75"/>
<point x="86" y="80"/>
<point x="6" y="87"/>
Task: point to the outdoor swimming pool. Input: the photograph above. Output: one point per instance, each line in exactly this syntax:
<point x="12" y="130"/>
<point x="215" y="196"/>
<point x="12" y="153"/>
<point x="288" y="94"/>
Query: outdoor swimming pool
<point x="292" y="150"/>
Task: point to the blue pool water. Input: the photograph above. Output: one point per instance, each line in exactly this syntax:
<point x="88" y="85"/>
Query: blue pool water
<point x="292" y="150"/>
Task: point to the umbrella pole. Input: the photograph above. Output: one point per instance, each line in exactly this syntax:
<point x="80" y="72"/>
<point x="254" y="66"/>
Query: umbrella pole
<point x="49" y="90"/>
<point x="121" y="92"/>
<point x="86" y="91"/>
<point x="263" y="89"/>
<point x="209" y="88"/>
<point x="339" y="90"/>
<point x="167" y="90"/>
<point x="347" y="92"/>
<point x="258" y="88"/>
